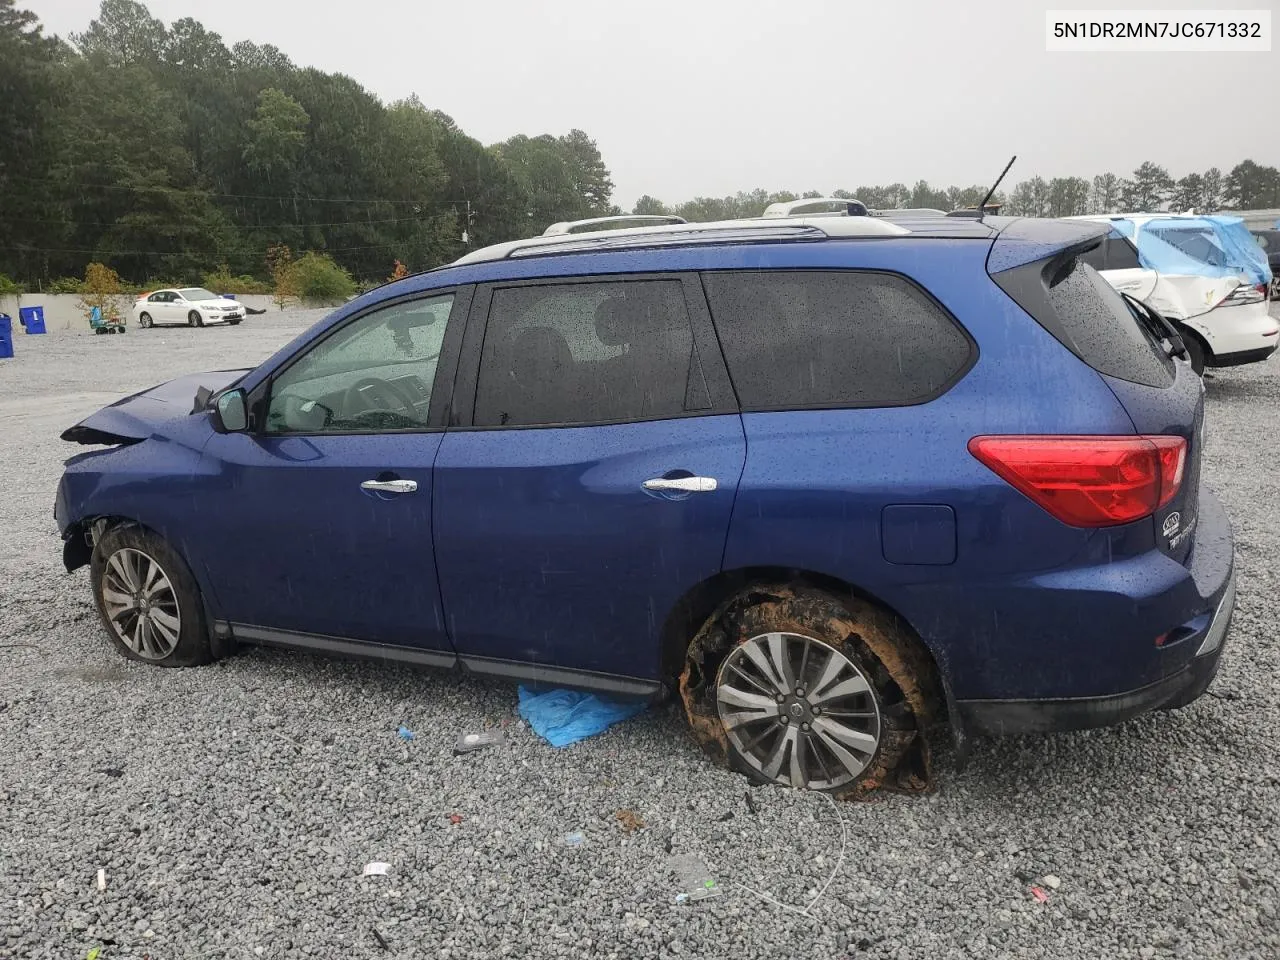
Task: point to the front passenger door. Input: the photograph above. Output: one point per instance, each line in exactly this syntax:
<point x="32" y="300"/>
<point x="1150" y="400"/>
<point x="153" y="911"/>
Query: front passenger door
<point x="322" y="528"/>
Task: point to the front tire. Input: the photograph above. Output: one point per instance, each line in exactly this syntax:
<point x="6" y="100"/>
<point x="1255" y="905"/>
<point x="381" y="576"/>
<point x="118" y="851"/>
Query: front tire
<point x="194" y="319"/>
<point x="803" y="689"/>
<point x="148" y="599"/>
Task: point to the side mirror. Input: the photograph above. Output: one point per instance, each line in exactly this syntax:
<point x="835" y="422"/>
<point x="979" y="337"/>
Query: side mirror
<point x="231" y="412"/>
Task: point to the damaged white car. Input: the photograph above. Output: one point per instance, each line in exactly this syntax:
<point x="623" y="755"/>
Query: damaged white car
<point x="1205" y="274"/>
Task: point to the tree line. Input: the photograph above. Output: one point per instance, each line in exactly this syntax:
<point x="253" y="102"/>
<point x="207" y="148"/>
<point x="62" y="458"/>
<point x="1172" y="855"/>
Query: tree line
<point x="166" y="154"/>
<point x="1248" y="186"/>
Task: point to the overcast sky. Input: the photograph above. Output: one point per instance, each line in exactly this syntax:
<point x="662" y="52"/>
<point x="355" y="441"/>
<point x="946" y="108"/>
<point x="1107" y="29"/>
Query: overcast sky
<point x="704" y="97"/>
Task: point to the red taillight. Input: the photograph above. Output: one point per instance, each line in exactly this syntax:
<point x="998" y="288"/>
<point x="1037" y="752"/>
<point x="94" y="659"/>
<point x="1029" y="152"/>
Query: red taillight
<point x="1089" y="481"/>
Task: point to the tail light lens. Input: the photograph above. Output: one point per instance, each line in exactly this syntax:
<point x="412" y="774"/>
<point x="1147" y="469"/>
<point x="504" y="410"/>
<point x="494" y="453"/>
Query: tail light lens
<point x="1244" y="294"/>
<point x="1089" y="481"/>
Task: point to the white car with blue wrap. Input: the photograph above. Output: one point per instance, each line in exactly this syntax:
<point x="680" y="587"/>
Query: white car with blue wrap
<point x="1205" y="274"/>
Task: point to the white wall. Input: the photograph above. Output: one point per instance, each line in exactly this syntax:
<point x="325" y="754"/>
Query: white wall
<point x="62" y="311"/>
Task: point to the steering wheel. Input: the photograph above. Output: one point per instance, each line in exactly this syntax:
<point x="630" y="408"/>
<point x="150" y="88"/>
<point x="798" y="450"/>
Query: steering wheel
<point x="372" y="394"/>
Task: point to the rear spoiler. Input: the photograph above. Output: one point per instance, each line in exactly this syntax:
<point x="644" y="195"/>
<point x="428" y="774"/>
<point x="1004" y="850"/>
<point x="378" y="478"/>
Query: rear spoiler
<point x="1027" y="240"/>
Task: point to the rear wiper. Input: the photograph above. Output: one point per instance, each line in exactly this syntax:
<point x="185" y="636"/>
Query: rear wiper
<point x="1158" y="327"/>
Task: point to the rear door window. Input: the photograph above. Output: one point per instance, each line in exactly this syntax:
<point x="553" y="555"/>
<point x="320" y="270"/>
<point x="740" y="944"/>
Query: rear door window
<point x="583" y="353"/>
<point x="797" y="339"/>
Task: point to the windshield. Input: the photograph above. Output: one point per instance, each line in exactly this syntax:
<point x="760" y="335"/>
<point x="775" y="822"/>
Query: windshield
<point x="197" y="293"/>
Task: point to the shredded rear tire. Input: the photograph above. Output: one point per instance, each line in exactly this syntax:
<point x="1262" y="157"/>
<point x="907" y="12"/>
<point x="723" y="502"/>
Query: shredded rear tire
<point x="877" y="642"/>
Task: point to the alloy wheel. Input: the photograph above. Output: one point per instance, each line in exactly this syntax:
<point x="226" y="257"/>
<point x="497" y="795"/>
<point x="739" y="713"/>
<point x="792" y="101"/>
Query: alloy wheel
<point x="141" y="604"/>
<point x="798" y="711"/>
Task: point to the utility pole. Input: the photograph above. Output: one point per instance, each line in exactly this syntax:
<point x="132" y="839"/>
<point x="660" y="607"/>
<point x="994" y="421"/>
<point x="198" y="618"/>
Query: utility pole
<point x="466" y="229"/>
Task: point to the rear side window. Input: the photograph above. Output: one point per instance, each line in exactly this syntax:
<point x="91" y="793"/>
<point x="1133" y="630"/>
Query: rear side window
<point x="1086" y="315"/>
<point x="1113" y="253"/>
<point x="796" y="339"/>
<point x="582" y="353"/>
<point x="1121" y="254"/>
<point x="1096" y="258"/>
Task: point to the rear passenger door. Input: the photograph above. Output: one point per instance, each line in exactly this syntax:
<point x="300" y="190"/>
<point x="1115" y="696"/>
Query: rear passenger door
<point x="587" y="478"/>
<point x="162" y="303"/>
<point x="1124" y="271"/>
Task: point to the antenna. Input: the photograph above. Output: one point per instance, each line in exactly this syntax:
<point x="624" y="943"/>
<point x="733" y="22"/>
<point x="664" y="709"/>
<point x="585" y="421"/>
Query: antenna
<point x="982" y="207"/>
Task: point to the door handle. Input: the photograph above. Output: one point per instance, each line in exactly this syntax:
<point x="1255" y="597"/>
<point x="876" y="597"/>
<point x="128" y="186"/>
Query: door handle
<point x="390" y="486"/>
<point x="681" y="484"/>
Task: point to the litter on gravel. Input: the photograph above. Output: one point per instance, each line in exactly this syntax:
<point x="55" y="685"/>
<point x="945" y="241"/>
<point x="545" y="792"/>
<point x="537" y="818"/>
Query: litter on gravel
<point x="471" y="742"/>
<point x="693" y="880"/>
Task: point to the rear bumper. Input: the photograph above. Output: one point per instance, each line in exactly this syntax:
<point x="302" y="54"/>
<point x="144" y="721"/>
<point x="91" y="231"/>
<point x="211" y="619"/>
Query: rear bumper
<point x="1234" y="333"/>
<point x="1093" y="654"/>
<point x="1246" y="356"/>
<point x="996" y="717"/>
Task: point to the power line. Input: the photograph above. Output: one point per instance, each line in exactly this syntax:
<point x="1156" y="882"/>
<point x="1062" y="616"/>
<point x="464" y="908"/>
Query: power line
<point x="168" y="253"/>
<point x="236" y="196"/>
<point x="247" y="226"/>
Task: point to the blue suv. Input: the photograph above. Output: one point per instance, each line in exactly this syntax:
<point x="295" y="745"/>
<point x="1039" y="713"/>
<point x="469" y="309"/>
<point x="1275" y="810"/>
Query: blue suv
<point x="841" y="483"/>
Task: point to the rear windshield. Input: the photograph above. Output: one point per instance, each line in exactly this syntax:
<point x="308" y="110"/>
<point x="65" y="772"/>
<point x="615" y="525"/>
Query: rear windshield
<point x="1075" y="304"/>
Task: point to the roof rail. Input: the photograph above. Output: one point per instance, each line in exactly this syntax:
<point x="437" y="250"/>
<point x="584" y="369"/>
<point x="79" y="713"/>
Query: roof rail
<point x="754" y="230"/>
<point x="844" y="207"/>
<point x="908" y="213"/>
<point x="606" y="223"/>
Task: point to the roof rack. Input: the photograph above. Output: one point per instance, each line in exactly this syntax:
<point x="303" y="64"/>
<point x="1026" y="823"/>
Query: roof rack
<point x="909" y="213"/>
<point x="843" y="207"/>
<point x="755" y="230"/>
<point x="607" y="223"/>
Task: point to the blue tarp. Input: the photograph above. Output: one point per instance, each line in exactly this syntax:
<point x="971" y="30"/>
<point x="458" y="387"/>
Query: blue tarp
<point x="1201" y="246"/>
<point x="562" y="717"/>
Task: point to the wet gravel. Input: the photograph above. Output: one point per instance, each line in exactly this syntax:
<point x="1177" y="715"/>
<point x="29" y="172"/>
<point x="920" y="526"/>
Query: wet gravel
<point x="232" y="808"/>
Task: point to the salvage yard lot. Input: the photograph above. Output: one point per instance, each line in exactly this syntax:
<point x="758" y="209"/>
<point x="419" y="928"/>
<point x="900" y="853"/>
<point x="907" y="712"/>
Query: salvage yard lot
<point x="233" y="807"/>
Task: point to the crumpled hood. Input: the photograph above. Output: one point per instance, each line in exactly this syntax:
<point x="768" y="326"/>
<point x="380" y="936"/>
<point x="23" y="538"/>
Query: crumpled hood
<point x="136" y="417"/>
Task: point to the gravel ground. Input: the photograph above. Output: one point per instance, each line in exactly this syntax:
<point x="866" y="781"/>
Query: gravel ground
<point x="233" y="807"/>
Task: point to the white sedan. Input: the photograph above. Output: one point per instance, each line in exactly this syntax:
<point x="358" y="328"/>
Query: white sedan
<point x="194" y="306"/>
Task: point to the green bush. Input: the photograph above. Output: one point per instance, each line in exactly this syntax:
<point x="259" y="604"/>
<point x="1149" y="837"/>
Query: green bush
<point x="8" y="288"/>
<point x="315" y="278"/>
<point x="222" y="281"/>
<point x="65" y="285"/>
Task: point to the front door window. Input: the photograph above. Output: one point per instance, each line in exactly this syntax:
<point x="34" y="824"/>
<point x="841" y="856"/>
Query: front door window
<point x="372" y="375"/>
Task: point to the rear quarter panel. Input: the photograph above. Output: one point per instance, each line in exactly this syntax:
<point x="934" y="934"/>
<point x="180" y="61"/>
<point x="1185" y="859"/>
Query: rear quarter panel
<point x="816" y="482"/>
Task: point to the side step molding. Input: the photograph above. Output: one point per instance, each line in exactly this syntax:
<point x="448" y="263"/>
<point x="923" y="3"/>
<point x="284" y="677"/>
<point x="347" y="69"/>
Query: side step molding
<point x="538" y="674"/>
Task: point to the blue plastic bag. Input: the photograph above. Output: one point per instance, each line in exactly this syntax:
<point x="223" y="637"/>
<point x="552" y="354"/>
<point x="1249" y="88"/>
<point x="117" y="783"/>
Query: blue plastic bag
<point x="562" y="717"/>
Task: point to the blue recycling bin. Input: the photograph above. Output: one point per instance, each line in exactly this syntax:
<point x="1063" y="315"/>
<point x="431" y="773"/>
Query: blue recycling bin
<point x="6" y="336"/>
<point x="32" y="319"/>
